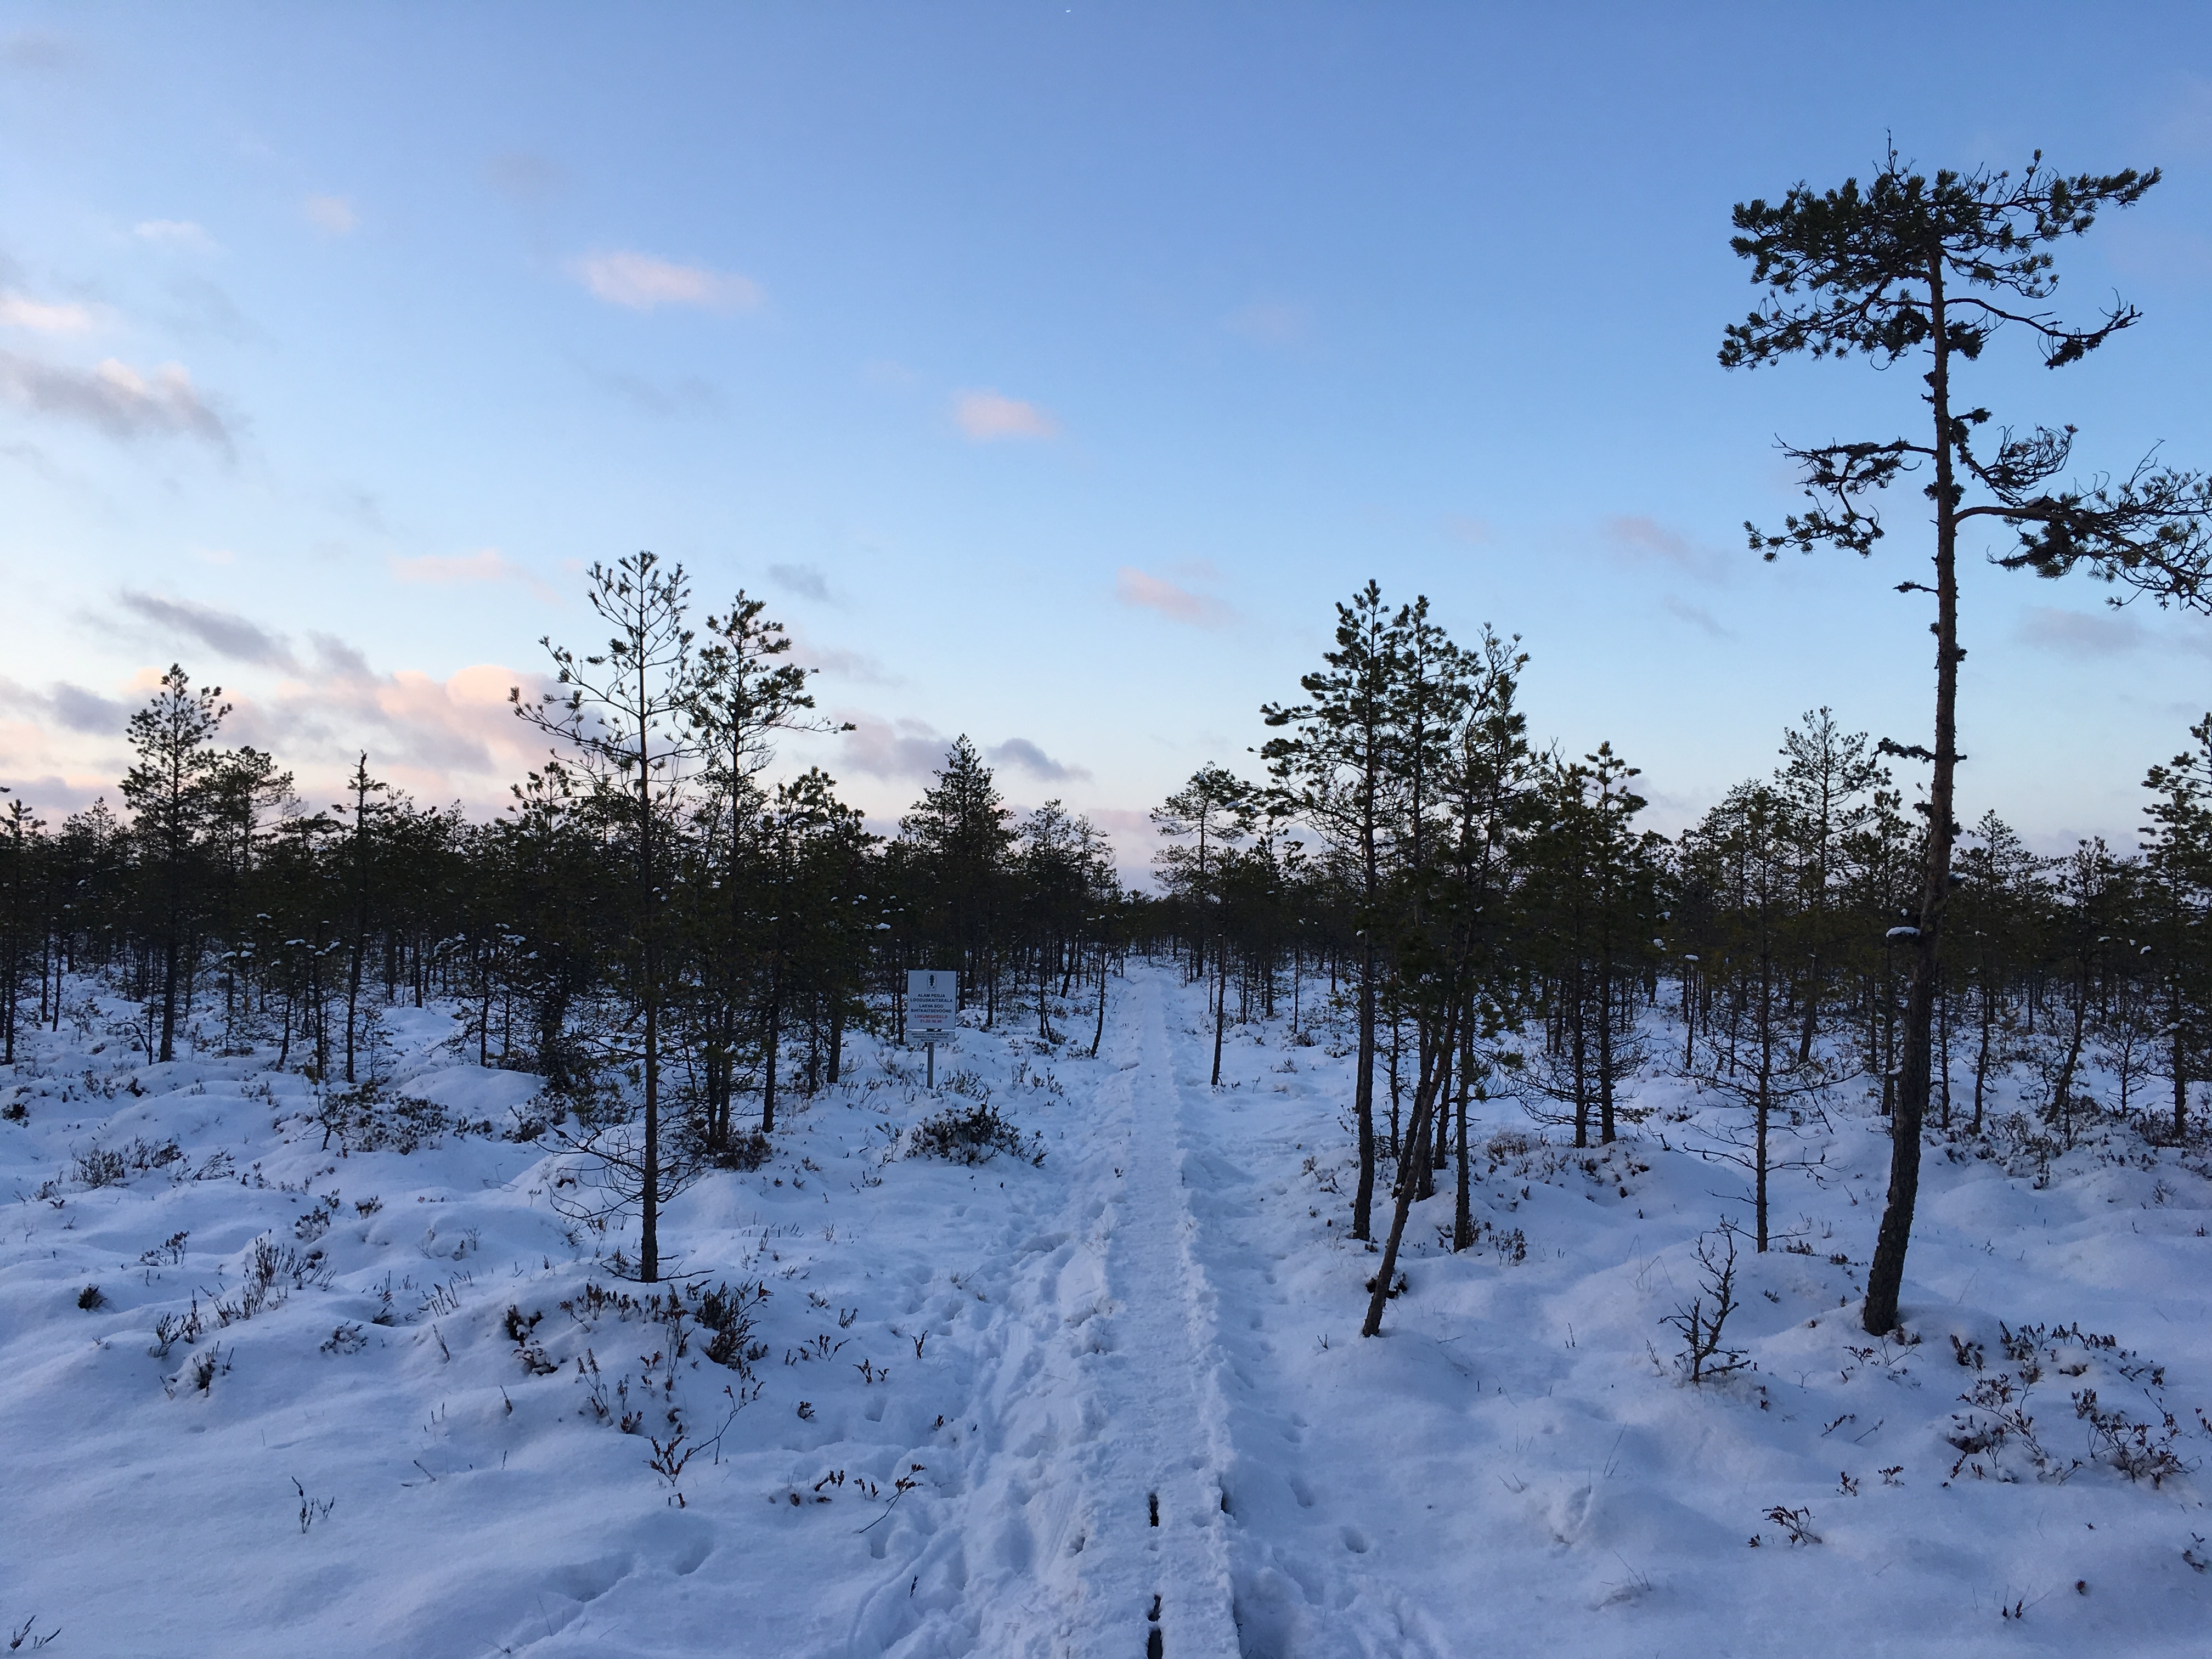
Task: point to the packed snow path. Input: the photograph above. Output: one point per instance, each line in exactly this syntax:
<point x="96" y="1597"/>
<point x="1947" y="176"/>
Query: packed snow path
<point x="1093" y="1495"/>
<point x="973" y="1382"/>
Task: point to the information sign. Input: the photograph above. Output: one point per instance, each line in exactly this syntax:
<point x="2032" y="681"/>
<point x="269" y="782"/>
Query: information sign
<point x="931" y="1004"/>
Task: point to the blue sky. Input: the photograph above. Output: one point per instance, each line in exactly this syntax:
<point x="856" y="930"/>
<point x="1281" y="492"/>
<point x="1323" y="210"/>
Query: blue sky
<point x="1051" y="370"/>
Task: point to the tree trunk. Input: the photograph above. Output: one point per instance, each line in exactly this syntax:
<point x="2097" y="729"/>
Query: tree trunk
<point x="1463" y="1204"/>
<point x="1362" y="1095"/>
<point x="1982" y="1052"/>
<point x="1886" y="1274"/>
<point x="1425" y="1092"/>
<point x="1098" y="1033"/>
<point x="1220" y="1006"/>
<point x="1605" y="1052"/>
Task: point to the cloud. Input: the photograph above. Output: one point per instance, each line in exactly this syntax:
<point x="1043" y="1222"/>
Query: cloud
<point x="114" y="397"/>
<point x="841" y="663"/>
<point x="890" y="749"/>
<point x="1131" y="586"/>
<point x="181" y="234"/>
<point x="486" y="564"/>
<point x="1270" y="322"/>
<point x="1696" y="616"/>
<point x="836" y="661"/>
<point x="988" y="418"/>
<point x="687" y="398"/>
<point x="440" y="739"/>
<point x="332" y="213"/>
<point x="360" y="507"/>
<point x="641" y="283"/>
<point x="72" y="708"/>
<point x="803" y="580"/>
<point x="224" y="632"/>
<point x="1025" y="756"/>
<point x="525" y="176"/>
<point x="42" y="316"/>
<point x="2082" y="634"/>
<point x="37" y="49"/>
<point x="1636" y="539"/>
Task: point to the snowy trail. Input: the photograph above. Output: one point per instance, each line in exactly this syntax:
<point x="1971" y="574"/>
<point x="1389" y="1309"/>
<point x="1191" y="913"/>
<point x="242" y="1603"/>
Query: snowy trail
<point x="1160" y="1377"/>
<point x="1092" y="1513"/>
<point x="974" y="1380"/>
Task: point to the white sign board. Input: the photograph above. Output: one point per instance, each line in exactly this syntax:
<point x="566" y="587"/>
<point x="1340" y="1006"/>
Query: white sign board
<point x="931" y="1004"/>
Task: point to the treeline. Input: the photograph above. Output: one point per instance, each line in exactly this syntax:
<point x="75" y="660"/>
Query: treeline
<point x="1504" y="928"/>
<point x="671" y="939"/>
<point x="654" y="924"/>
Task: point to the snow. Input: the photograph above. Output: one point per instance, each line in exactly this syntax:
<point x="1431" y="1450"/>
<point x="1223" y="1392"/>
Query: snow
<point x="1165" y="1307"/>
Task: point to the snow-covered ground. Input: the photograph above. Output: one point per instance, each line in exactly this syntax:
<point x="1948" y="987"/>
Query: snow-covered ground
<point x="969" y="1390"/>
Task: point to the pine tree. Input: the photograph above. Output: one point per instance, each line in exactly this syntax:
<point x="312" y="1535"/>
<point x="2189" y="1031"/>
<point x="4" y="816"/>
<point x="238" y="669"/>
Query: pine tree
<point x="628" y="713"/>
<point x="1825" y="784"/>
<point x="20" y="850"/>
<point x="1745" y="853"/>
<point x="2178" y="860"/>
<point x="961" y="828"/>
<point x="174" y="737"/>
<point x="2000" y="892"/>
<point x="1208" y="816"/>
<point x="1335" y="773"/>
<point x="1595" y="883"/>
<point x="1912" y="267"/>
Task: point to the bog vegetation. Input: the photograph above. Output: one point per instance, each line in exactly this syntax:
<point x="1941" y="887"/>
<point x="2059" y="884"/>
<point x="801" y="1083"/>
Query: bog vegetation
<point x="675" y="935"/>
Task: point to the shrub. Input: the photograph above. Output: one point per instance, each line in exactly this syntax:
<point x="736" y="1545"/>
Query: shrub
<point x="975" y="1135"/>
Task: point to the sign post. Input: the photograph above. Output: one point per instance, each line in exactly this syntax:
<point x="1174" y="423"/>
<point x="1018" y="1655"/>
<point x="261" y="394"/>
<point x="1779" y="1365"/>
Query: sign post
<point x="932" y="998"/>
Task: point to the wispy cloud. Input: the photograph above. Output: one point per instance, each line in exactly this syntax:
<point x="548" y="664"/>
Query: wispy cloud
<point x="331" y="213"/>
<point x="1697" y="616"/>
<point x="890" y="749"/>
<point x="803" y="580"/>
<point x="1133" y="586"/>
<point x="638" y="282"/>
<point x="37" y="49"/>
<point x="841" y="664"/>
<point x="1024" y="756"/>
<point x="988" y="417"/>
<point x="687" y="397"/>
<point x="1635" y="538"/>
<point x="223" y="632"/>
<point x="525" y="176"/>
<point x="44" y="316"/>
<point x="1271" y="322"/>
<point x="486" y="564"/>
<point x="180" y="235"/>
<point x="117" y="399"/>
<point x="2082" y="634"/>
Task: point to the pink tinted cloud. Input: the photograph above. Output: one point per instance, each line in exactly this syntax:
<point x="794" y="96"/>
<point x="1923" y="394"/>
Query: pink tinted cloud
<point x="455" y="738"/>
<point x="987" y="416"/>
<point x="441" y="740"/>
<point x="486" y="564"/>
<point x="638" y="282"/>
<point x="1133" y="586"/>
